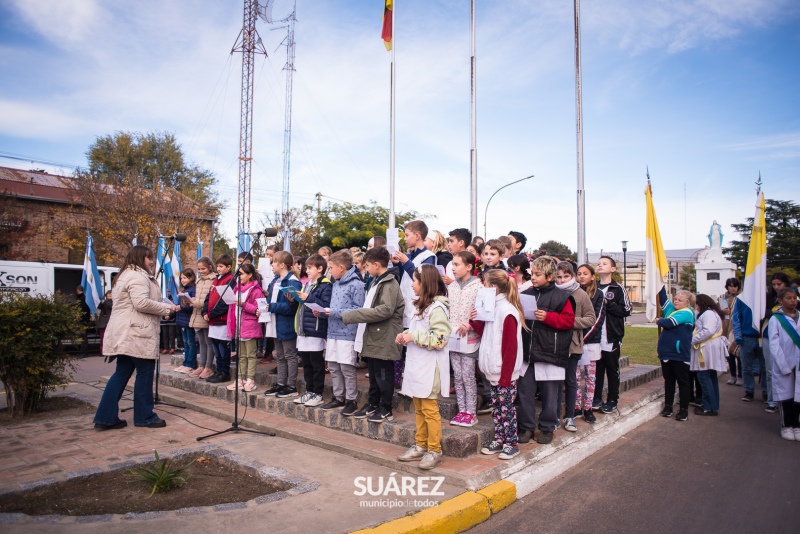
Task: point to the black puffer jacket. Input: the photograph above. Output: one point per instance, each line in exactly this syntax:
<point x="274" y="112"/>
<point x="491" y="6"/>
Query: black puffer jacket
<point x="544" y="343"/>
<point x="592" y="335"/>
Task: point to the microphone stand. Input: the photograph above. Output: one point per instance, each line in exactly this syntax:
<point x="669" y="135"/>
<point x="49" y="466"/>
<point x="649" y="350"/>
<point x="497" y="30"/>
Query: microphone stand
<point x="238" y="317"/>
<point x="159" y="274"/>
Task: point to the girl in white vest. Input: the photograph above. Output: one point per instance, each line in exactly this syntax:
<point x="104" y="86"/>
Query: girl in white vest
<point x="500" y="359"/>
<point x="784" y="344"/>
<point x="709" y="352"/>
<point x="427" y="371"/>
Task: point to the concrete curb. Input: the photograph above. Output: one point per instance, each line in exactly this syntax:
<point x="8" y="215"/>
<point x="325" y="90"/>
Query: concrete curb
<point x="453" y="515"/>
<point x="471" y="508"/>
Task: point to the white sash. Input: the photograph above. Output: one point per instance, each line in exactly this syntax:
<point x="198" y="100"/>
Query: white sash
<point x="407" y="291"/>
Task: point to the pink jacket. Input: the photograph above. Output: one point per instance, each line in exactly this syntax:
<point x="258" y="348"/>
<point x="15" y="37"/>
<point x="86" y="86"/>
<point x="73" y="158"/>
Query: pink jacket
<point x="251" y="328"/>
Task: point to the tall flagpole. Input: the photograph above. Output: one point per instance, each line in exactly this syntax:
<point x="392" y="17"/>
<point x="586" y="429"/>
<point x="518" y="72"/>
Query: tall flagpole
<point x="391" y="122"/>
<point x="473" y="152"/>
<point x="579" y="134"/>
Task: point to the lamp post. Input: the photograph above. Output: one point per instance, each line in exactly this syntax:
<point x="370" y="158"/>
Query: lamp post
<point x="625" y="265"/>
<point x="486" y="211"/>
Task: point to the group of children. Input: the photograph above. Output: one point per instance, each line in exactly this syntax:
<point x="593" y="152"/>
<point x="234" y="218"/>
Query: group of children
<point x="407" y="307"/>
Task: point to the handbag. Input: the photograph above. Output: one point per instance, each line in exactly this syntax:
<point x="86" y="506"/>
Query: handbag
<point x="733" y="347"/>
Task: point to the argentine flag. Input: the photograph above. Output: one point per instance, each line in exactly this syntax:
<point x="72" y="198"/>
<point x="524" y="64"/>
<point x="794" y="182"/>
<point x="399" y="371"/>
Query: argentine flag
<point x="174" y="273"/>
<point x="656" y="265"/>
<point x="244" y="242"/>
<point x="199" y="249"/>
<point x="754" y="290"/>
<point x="90" y="280"/>
<point x="161" y="247"/>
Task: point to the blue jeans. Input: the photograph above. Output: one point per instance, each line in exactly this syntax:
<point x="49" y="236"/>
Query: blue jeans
<point x="750" y="351"/>
<point x="768" y="366"/>
<point x="710" y="384"/>
<point x="189" y="347"/>
<point x="222" y="355"/>
<point x="108" y="410"/>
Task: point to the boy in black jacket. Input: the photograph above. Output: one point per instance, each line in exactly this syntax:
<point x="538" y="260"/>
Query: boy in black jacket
<point x="618" y="306"/>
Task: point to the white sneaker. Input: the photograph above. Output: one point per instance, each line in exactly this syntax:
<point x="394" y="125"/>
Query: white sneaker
<point x="415" y="452"/>
<point x="731" y="381"/>
<point x="797" y="434"/>
<point x="430" y="460"/>
<point x="315" y="400"/>
<point x="569" y="425"/>
<point x="304" y="398"/>
<point x="788" y="434"/>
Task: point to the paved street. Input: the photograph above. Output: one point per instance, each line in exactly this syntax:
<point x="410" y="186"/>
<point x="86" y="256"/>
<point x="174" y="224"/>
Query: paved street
<point x="732" y="473"/>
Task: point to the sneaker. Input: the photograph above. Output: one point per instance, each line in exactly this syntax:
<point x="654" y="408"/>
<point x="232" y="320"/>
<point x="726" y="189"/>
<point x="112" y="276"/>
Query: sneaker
<point x="700" y="411"/>
<point x="365" y="411"/>
<point x="314" y="401"/>
<point x="524" y="436"/>
<point x="181" y="369"/>
<point x="430" y="460"/>
<point x="382" y="415"/>
<point x="731" y="381"/>
<point x="333" y="404"/>
<point x="485" y="405"/>
<point x="683" y="415"/>
<point x="273" y="371"/>
<point x="219" y="377"/>
<point x="609" y="407"/>
<point x="349" y="409"/>
<point x="197" y="372"/>
<point x="273" y="390"/>
<point x="667" y="411"/>
<point x="740" y="381"/>
<point x="597" y="404"/>
<point x="544" y="438"/>
<point x="797" y="434"/>
<point x="286" y="392"/>
<point x="456" y="421"/>
<point x="234" y="385"/>
<point x="469" y="420"/>
<point x="696" y="403"/>
<point x="578" y="412"/>
<point x="122" y="423"/>
<point x="207" y="373"/>
<point x="249" y="386"/>
<point x="492" y="448"/>
<point x="788" y="434"/>
<point x="508" y="452"/>
<point x="771" y="408"/>
<point x="748" y="397"/>
<point x="569" y="425"/>
<point x="415" y="452"/>
<point x="589" y="417"/>
<point x="304" y="398"/>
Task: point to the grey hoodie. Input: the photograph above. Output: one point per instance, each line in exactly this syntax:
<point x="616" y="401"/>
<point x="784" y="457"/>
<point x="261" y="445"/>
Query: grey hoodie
<point x="348" y="294"/>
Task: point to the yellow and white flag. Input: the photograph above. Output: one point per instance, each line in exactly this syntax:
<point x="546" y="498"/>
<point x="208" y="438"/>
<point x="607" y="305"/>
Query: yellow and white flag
<point x="754" y="290"/>
<point x="656" y="265"/>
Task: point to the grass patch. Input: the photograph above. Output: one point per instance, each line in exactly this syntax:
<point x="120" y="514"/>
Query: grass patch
<point x="639" y="345"/>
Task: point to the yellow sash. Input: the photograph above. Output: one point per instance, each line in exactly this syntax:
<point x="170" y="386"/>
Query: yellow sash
<point x="699" y="346"/>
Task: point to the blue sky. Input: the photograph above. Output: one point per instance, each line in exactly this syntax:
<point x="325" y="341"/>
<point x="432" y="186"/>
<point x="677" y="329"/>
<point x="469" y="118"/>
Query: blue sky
<point x="703" y="91"/>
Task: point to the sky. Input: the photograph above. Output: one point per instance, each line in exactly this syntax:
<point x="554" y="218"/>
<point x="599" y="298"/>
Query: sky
<point x="701" y="92"/>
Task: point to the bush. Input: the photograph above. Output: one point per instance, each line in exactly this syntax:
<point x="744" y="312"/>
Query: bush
<point x="32" y="356"/>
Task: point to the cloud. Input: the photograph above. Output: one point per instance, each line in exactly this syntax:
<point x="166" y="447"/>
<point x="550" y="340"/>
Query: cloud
<point x="778" y="146"/>
<point x="40" y="121"/>
<point x="66" y="22"/>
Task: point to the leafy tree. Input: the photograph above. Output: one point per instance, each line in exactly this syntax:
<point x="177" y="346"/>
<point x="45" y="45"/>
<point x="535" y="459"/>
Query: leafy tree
<point x="554" y="248"/>
<point x="687" y="278"/>
<point x="303" y="225"/>
<point x="157" y="158"/>
<point x="783" y="236"/>
<point x="222" y="246"/>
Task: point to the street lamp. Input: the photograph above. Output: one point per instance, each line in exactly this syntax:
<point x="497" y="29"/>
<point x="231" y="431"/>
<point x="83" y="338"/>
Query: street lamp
<point x="490" y="199"/>
<point x="625" y="265"/>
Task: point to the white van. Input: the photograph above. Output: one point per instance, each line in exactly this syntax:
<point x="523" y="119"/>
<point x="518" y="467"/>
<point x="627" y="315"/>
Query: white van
<point x="39" y="278"/>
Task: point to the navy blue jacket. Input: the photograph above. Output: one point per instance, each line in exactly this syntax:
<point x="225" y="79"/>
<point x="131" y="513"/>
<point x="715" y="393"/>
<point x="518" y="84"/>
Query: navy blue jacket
<point x="185" y="313"/>
<point x="283" y="309"/>
<point x="305" y="323"/>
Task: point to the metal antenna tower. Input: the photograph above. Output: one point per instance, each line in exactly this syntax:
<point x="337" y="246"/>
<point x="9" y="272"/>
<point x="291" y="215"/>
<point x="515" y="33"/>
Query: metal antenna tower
<point x="248" y="43"/>
<point x="287" y="128"/>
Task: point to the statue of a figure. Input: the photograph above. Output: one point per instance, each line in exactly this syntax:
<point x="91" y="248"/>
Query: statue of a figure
<point x="715" y="236"/>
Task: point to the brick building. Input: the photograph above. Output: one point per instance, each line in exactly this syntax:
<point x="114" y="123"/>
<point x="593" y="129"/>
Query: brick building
<point x="36" y="206"/>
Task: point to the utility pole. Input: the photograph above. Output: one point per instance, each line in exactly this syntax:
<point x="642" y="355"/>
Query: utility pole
<point x="248" y="43"/>
<point x="579" y="136"/>
<point x="473" y="152"/>
<point x="319" y="215"/>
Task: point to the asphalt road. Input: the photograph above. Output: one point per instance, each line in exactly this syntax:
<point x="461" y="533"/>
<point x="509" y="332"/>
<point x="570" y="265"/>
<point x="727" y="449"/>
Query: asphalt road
<point x="731" y="473"/>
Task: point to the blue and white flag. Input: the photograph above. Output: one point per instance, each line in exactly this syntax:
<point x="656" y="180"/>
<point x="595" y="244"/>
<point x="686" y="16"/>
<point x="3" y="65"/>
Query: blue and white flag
<point x="160" y="254"/>
<point x="90" y="280"/>
<point x="199" y="249"/>
<point x="244" y="242"/>
<point x="175" y="272"/>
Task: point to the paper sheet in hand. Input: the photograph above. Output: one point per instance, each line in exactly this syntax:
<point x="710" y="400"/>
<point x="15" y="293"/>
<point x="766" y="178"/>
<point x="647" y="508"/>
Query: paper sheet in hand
<point x="456" y="343"/>
<point x="227" y="296"/>
<point x="264" y="315"/>
<point x="440" y="269"/>
<point x="484" y="304"/>
<point x="290" y="291"/>
<point x="528" y="306"/>
<point x="315" y="307"/>
<point x="723" y="303"/>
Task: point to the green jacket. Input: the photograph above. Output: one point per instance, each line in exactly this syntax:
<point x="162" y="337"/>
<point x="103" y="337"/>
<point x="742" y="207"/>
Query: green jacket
<point x="384" y="320"/>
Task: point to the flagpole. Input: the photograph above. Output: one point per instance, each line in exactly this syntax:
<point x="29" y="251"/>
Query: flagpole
<point x="579" y="135"/>
<point x="473" y="153"/>
<point x="391" y="121"/>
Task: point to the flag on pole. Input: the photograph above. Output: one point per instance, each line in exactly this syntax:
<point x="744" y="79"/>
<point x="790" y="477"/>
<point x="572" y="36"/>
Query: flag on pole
<point x="90" y="279"/>
<point x="656" y="264"/>
<point x="160" y="254"/>
<point x="199" y="247"/>
<point x="386" y="32"/>
<point x="134" y="241"/>
<point x="754" y="290"/>
<point x="244" y="242"/>
<point x="175" y="272"/>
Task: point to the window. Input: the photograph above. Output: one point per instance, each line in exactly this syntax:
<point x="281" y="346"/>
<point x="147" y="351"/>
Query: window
<point x="712" y="276"/>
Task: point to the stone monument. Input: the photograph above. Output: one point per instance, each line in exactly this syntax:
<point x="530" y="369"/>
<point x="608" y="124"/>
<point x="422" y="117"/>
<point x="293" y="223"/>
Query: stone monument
<point x="712" y="267"/>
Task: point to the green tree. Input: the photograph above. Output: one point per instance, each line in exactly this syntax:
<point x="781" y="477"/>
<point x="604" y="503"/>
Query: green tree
<point x="157" y="157"/>
<point x="687" y="278"/>
<point x="783" y="236"/>
<point x="222" y="246"/>
<point x="555" y="248"/>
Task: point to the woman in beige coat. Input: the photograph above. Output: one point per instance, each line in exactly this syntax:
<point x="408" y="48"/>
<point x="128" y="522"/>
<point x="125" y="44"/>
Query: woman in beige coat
<point x="132" y="337"/>
<point x="205" y="354"/>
